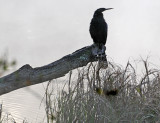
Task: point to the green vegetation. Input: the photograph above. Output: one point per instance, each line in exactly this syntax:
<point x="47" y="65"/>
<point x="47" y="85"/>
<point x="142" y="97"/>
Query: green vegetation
<point x="137" y="100"/>
<point x="4" y="66"/>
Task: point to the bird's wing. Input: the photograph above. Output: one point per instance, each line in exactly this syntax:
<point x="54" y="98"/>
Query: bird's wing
<point x="105" y="33"/>
<point x="93" y="31"/>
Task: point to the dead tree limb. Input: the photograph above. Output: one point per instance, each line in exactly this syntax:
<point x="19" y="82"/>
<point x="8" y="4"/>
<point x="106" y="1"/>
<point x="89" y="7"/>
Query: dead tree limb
<point x="26" y="75"/>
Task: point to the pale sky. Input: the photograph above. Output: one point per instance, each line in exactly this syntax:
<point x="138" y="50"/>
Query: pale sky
<point x="38" y="32"/>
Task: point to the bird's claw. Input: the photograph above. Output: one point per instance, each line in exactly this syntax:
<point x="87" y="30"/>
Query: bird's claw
<point x="99" y="53"/>
<point x="102" y="57"/>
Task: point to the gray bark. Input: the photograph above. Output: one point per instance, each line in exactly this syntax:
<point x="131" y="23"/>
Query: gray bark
<point x="26" y="75"/>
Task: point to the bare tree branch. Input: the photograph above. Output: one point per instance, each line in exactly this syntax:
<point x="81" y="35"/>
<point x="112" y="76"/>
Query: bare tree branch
<point x="26" y="75"/>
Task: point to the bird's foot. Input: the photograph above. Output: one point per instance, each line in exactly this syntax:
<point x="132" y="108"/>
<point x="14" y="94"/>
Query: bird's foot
<point x="102" y="57"/>
<point x="99" y="53"/>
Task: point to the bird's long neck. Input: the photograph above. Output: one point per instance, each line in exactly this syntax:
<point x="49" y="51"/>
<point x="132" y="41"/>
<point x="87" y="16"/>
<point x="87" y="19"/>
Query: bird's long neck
<point x="98" y="15"/>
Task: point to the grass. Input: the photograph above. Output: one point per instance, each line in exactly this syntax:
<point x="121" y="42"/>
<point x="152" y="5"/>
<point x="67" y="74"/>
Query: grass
<point x="99" y="93"/>
<point x="137" y="100"/>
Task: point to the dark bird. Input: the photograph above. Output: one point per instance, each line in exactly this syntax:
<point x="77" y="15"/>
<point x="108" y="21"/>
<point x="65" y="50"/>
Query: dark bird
<point x="99" y="28"/>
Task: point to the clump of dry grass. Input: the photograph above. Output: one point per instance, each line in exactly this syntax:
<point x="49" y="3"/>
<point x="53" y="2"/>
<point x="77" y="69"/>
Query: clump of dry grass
<point x="137" y="100"/>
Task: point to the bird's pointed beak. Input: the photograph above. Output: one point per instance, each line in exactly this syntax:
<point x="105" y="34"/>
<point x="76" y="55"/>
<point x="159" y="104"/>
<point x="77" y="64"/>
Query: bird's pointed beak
<point x="108" y="8"/>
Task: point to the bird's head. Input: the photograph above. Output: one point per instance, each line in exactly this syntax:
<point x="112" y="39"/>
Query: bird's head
<point x="99" y="11"/>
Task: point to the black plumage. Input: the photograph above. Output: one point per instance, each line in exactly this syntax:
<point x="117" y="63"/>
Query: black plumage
<point x="99" y="28"/>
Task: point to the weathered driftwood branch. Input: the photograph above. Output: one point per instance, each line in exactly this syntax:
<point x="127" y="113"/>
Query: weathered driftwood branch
<point x="27" y="75"/>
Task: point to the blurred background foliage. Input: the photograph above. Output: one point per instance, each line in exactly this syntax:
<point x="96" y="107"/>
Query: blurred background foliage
<point x="5" y="63"/>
